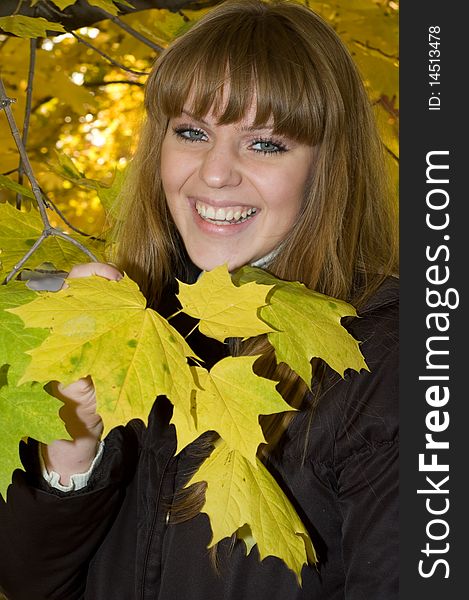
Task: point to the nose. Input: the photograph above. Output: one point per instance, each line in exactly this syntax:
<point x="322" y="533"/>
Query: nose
<point x="220" y="166"/>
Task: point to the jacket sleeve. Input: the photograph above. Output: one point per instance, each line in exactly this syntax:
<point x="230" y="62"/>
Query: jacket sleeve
<point x="47" y="537"/>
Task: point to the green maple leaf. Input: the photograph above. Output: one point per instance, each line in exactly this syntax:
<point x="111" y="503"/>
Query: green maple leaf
<point x="9" y="184"/>
<point x="66" y="168"/>
<point x="108" y="195"/>
<point x="15" y="340"/>
<point x="29" y="27"/>
<point x="26" y="410"/>
<point x="246" y="499"/>
<point x="307" y="326"/>
<point x="60" y="3"/>
<point x="108" y="5"/>
<point x="229" y="402"/>
<point x="19" y="230"/>
<point x="224" y="309"/>
<point x="102" y="328"/>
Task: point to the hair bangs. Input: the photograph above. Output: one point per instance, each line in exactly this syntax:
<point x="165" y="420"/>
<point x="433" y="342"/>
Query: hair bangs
<point x="235" y="65"/>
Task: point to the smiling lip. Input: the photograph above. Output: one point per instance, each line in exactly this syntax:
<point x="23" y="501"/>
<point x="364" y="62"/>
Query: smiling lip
<point x="224" y="215"/>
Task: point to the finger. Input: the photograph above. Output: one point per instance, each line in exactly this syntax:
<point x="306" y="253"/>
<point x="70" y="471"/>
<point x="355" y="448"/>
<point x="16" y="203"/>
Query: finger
<point x="82" y="386"/>
<point x="78" y="389"/>
<point x="95" y="268"/>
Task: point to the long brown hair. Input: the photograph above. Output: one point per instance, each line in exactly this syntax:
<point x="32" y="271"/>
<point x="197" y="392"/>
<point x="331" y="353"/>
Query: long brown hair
<point x="344" y="243"/>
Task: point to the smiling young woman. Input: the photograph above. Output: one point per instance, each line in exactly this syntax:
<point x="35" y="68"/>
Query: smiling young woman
<point x="259" y="147"/>
<point x="285" y="69"/>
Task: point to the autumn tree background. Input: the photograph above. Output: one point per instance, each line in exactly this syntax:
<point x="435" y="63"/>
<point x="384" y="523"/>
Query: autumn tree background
<point x="75" y="71"/>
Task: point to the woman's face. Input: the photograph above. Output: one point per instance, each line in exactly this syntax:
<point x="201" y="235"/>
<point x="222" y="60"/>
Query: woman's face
<point x="234" y="191"/>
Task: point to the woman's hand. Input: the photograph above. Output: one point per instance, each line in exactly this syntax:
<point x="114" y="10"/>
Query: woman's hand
<point x="79" y="407"/>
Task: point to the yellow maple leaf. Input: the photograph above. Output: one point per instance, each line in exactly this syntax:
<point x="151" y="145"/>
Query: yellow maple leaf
<point x="224" y="309"/>
<point x="102" y="328"/>
<point x="188" y="430"/>
<point x="229" y="402"/>
<point x="307" y="325"/>
<point x="245" y="499"/>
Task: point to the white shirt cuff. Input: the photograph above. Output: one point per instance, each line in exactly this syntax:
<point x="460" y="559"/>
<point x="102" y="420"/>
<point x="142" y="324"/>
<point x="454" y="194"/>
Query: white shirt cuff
<point x="77" y="481"/>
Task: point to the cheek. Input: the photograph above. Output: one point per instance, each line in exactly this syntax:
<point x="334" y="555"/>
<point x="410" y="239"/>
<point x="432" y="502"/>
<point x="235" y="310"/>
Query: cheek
<point x="285" y="195"/>
<point x="176" y="169"/>
<point x="299" y="182"/>
<point x="167" y="175"/>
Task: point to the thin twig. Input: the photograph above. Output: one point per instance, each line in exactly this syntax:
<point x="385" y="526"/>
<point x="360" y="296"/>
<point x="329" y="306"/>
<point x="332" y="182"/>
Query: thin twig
<point x="391" y="153"/>
<point x="52" y="232"/>
<point x="5" y="103"/>
<point x="27" y="112"/>
<point x="93" y="84"/>
<point x="65" y="236"/>
<point x="18" y="7"/>
<point x="56" y="209"/>
<point x="22" y="261"/>
<point x="106" y="56"/>
<point x="367" y="46"/>
<point x="133" y="32"/>
<point x="10" y="172"/>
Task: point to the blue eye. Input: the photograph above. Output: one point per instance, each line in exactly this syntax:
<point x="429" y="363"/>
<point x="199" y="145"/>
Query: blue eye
<point x="268" y="147"/>
<point x="190" y="134"/>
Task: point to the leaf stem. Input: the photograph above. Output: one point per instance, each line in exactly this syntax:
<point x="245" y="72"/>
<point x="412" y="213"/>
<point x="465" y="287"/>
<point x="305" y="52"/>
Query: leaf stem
<point x="191" y="331"/>
<point x="178" y="312"/>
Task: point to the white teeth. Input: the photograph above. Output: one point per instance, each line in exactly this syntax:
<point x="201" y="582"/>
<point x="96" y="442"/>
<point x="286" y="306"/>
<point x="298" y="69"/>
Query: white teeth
<point x="228" y="215"/>
<point x="210" y="212"/>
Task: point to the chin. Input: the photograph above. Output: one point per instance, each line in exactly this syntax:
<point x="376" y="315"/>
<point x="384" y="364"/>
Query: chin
<point x="209" y="263"/>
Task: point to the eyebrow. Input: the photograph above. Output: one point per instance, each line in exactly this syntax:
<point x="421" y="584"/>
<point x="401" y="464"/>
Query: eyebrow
<point x="249" y="128"/>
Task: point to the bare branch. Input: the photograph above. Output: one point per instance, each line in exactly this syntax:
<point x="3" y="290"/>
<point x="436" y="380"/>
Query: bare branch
<point x="133" y="32"/>
<point x="367" y="46"/>
<point x="27" y="112"/>
<point x="28" y="254"/>
<point x="75" y="242"/>
<point x="106" y="56"/>
<point x="92" y="84"/>
<point x="5" y="104"/>
<point x="6" y="173"/>
<point x="391" y="153"/>
<point x="52" y="232"/>
<point x="56" y="209"/>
